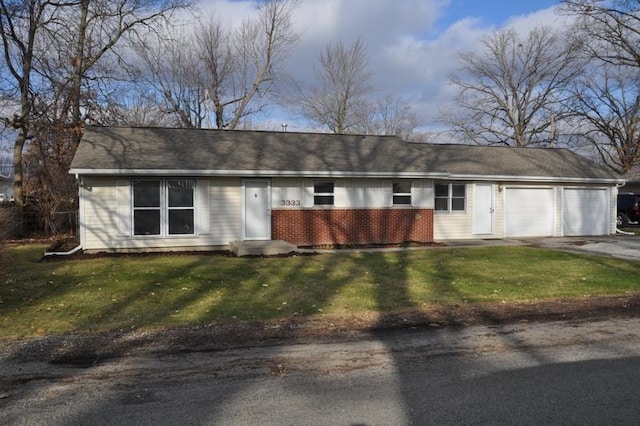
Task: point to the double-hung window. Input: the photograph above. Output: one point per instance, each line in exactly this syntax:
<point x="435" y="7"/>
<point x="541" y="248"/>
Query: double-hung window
<point x="163" y="206"/>
<point x="402" y="193"/>
<point x="450" y="197"/>
<point x="323" y="193"/>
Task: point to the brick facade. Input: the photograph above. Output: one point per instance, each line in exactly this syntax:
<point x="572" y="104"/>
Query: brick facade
<point x="352" y="226"/>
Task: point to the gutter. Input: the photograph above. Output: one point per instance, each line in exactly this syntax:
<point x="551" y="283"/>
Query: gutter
<point x="339" y="174"/>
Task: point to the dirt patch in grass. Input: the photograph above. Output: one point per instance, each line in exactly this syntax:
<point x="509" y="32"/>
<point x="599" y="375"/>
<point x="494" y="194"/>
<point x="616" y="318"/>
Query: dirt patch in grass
<point x="83" y="350"/>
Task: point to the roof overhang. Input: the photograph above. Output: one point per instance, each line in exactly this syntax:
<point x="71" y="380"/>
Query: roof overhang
<point x="546" y="179"/>
<point x="339" y="174"/>
<point x="253" y="173"/>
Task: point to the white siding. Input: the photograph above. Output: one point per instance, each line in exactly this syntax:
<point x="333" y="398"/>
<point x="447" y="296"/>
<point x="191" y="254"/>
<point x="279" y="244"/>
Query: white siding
<point x="349" y="193"/>
<point x="363" y="193"/>
<point x="203" y="207"/>
<point x="613" y="209"/>
<point x="422" y="193"/>
<point x="456" y="225"/>
<point x="102" y="217"/>
<point x="101" y="220"/>
<point x="291" y="190"/>
<point x="498" y="216"/>
<point x="226" y="210"/>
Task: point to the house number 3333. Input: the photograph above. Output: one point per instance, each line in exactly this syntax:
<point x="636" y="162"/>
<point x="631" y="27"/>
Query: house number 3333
<point x="290" y="203"/>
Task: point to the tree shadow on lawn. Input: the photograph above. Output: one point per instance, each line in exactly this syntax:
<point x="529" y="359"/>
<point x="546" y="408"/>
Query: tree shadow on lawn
<point x="288" y="318"/>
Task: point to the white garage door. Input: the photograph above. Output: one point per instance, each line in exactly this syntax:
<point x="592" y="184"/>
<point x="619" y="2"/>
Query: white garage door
<point x="584" y="212"/>
<point x="528" y="212"/>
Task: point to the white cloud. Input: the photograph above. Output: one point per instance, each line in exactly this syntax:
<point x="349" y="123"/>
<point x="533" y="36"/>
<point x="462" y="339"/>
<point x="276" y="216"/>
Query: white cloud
<point x="410" y="54"/>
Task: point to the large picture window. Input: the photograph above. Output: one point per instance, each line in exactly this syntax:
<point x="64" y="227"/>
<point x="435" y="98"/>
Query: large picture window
<point x="450" y="197"/>
<point x="323" y="193"/>
<point x="163" y="206"/>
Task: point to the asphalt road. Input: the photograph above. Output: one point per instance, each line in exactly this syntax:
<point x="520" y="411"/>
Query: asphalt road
<point x="529" y="373"/>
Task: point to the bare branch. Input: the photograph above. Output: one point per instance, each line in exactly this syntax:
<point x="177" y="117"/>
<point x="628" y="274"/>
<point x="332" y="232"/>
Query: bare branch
<point x="513" y="90"/>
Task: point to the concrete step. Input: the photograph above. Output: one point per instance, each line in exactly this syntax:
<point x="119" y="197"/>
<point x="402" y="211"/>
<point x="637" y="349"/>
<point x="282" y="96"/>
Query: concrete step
<point x="261" y="248"/>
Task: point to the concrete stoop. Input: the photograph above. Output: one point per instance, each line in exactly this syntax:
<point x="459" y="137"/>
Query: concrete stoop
<point x="261" y="248"/>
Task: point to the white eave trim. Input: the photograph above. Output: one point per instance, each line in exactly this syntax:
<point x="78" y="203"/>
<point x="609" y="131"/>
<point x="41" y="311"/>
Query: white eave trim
<point x="503" y="178"/>
<point x="254" y="173"/>
<point x="338" y="174"/>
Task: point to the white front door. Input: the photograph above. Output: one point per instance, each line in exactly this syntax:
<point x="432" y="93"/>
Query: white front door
<point x="483" y="209"/>
<point x="257" y="211"/>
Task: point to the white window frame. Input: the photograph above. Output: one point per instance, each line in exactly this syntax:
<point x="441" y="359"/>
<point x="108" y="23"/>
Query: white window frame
<point x="395" y="194"/>
<point x="450" y="197"/>
<point x="164" y="207"/>
<point x="331" y="194"/>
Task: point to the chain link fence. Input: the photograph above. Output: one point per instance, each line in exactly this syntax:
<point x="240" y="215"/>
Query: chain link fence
<point x="27" y="222"/>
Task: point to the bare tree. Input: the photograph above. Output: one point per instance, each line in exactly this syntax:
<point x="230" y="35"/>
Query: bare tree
<point x="607" y="101"/>
<point x="513" y="91"/>
<point x="21" y="22"/>
<point x="136" y="107"/>
<point x="611" y="27"/>
<point x="63" y="42"/>
<point x="338" y="101"/>
<point x="607" y="109"/>
<point x="391" y="115"/>
<point x="175" y="75"/>
<point x="218" y="57"/>
<point x="93" y="41"/>
<point x="263" y="44"/>
<point x="232" y="72"/>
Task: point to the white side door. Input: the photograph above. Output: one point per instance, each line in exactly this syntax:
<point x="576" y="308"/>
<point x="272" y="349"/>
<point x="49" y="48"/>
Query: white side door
<point x="257" y="210"/>
<point x="483" y="209"/>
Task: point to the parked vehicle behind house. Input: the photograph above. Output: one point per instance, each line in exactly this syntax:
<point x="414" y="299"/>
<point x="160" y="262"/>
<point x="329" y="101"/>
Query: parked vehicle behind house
<point x="628" y="209"/>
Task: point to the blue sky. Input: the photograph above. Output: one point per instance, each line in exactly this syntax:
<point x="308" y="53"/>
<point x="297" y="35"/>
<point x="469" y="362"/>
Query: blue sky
<point x="492" y="12"/>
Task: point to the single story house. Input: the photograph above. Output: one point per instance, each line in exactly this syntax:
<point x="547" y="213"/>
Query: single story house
<point x="194" y="189"/>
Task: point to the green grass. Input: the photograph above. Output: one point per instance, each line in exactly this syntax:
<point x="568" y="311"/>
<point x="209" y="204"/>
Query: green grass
<point x="115" y="293"/>
<point x="633" y="229"/>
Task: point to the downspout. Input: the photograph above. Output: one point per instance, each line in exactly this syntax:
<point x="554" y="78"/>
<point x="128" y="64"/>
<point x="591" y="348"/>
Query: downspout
<point x="73" y="250"/>
<point x="620" y="231"/>
<point x="63" y="253"/>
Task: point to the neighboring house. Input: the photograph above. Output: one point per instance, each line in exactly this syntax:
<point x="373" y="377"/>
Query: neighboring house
<point x="632" y="180"/>
<point x="631" y="186"/>
<point x="6" y="190"/>
<point x="179" y="189"/>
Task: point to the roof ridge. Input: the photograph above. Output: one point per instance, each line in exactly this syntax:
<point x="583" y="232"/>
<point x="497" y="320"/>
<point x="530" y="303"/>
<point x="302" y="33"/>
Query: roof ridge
<point x="278" y="132"/>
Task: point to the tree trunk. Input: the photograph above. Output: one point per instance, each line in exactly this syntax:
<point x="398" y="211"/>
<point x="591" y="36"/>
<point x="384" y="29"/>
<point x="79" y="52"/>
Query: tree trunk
<point x="17" y="166"/>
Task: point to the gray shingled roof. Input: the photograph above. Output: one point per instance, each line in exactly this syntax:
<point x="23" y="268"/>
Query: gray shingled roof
<point x="509" y="161"/>
<point x="120" y="150"/>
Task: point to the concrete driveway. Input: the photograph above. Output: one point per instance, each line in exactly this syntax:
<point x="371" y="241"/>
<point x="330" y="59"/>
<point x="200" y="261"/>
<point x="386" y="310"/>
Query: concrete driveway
<point x="620" y="246"/>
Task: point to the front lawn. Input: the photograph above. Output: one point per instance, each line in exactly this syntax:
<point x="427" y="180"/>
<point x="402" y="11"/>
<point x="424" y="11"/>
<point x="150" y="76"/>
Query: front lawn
<point x="133" y="292"/>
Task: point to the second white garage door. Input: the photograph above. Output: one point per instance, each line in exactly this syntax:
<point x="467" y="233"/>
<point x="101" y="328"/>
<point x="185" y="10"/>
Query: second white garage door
<point x="584" y="212"/>
<point x="529" y="212"/>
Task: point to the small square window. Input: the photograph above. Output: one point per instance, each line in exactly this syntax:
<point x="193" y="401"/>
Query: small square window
<point x="450" y="197"/>
<point x="402" y="193"/>
<point x="323" y="193"/>
<point x="146" y="222"/>
<point x="442" y="190"/>
<point x="181" y="222"/>
<point x="146" y="193"/>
